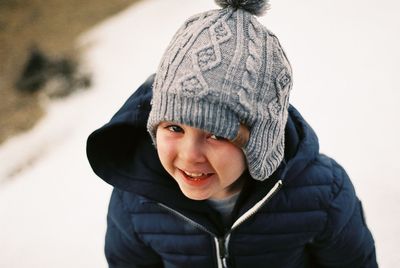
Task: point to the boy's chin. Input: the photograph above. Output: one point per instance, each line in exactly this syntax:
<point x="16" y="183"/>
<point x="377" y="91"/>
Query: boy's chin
<point x="195" y="196"/>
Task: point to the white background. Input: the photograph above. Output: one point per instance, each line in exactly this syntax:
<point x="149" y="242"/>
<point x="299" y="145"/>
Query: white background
<point x="345" y="56"/>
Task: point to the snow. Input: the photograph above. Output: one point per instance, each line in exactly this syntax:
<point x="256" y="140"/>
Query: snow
<point x="344" y="55"/>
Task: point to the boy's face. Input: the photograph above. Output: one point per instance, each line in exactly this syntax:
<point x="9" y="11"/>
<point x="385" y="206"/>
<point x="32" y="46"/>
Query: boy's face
<point x="205" y="166"/>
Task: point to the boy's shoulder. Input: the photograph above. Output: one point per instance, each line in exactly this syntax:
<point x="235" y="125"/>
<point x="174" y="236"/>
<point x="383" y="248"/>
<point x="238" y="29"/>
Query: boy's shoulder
<point x="322" y="186"/>
<point x="323" y="172"/>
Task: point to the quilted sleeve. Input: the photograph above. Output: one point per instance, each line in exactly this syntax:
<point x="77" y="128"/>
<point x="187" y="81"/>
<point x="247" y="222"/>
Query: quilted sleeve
<point x="123" y="248"/>
<point x="346" y="240"/>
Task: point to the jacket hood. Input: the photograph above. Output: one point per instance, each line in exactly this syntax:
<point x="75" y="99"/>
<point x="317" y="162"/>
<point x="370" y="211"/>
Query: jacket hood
<point x="122" y="153"/>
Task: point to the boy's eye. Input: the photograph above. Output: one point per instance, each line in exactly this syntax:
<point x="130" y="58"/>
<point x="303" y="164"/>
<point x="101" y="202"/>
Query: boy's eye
<point x="174" y="128"/>
<point x="218" y="138"/>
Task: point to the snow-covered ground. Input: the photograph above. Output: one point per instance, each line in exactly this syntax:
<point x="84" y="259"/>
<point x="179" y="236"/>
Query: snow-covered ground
<point x="345" y="58"/>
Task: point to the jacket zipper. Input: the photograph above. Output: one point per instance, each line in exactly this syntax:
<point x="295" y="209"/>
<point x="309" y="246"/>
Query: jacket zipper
<point x="247" y="215"/>
<point x="257" y="206"/>
<point x="221" y="244"/>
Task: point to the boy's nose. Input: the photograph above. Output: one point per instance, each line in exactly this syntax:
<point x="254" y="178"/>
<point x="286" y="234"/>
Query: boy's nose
<point x="191" y="151"/>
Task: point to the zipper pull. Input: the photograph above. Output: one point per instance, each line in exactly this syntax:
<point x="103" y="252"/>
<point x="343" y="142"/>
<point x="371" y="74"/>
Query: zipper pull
<point x="223" y="251"/>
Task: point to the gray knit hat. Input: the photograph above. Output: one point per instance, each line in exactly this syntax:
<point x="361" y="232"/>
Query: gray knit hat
<point x="223" y="68"/>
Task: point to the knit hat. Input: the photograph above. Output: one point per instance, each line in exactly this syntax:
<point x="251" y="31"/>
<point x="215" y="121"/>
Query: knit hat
<point x="222" y="69"/>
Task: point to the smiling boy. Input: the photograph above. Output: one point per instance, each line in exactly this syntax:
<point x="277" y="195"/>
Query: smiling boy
<point x="211" y="166"/>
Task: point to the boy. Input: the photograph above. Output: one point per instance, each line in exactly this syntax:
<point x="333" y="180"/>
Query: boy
<point x="212" y="167"/>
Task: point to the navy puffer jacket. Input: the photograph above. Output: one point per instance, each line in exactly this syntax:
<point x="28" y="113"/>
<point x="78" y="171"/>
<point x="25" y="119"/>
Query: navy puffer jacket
<point x="305" y="215"/>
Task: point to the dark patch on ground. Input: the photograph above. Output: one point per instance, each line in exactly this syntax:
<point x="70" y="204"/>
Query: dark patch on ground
<point x="51" y="26"/>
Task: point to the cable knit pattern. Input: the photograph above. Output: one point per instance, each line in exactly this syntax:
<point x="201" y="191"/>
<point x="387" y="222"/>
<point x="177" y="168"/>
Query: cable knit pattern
<point x="253" y="66"/>
<point x="205" y="59"/>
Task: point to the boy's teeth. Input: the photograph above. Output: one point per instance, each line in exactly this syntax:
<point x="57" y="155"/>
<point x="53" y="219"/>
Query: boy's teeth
<point x="194" y="174"/>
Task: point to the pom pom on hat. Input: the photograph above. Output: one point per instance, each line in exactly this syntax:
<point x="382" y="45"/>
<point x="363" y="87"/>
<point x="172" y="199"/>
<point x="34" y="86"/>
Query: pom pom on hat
<point x="255" y="7"/>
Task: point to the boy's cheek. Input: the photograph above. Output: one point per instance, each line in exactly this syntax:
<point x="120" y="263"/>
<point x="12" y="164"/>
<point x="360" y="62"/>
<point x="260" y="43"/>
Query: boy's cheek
<point x="165" y="154"/>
